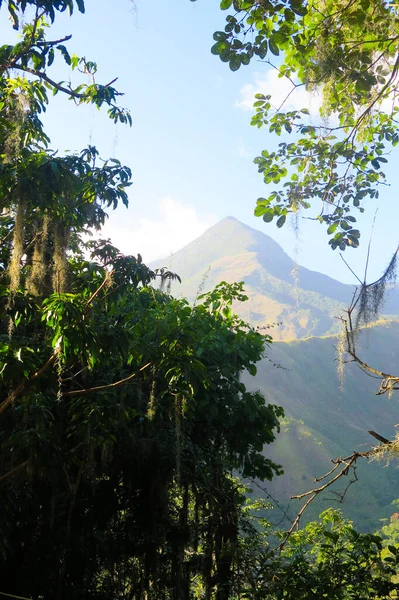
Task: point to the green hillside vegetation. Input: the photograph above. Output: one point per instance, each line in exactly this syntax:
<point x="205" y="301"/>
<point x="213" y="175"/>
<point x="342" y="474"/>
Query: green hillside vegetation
<point x="323" y="421"/>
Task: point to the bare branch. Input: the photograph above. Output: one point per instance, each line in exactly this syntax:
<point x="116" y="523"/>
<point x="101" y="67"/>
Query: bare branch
<point x="66" y="38"/>
<point x="379" y="437"/>
<point x="345" y="466"/>
<point x="14" y="596"/>
<point x="103" y="388"/>
<point x="57" y="86"/>
<point x="350" y="269"/>
<point x="69" y="91"/>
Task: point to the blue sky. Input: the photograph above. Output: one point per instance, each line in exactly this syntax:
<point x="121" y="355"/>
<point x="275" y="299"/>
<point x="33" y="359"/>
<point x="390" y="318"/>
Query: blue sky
<point x="191" y="146"/>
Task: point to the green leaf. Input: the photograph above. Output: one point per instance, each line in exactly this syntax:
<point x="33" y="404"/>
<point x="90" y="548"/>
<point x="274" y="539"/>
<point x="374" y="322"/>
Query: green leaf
<point x="219" y="47"/>
<point x="225" y="55"/>
<point x="353" y="241"/>
<point x="259" y="211"/>
<point x="281" y="221"/>
<point x="235" y="62"/>
<point x="220" y="36"/>
<point x="50" y="57"/>
<point x="274" y="49"/>
<point x="225" y="4"/>
<point x="64" y="53"/>
<point x="344" y="225"/>
<point x="252" y="370"/>
<point x="362" y="85"/>
<point x="268" y="215"/>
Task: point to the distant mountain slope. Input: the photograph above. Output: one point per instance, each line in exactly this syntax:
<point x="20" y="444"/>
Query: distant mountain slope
<point x="305" y="302"/>
<point x="323" y="422"/>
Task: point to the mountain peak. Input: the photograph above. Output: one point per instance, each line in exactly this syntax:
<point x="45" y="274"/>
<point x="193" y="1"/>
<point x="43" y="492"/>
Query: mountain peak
<point x="305" y="302"/>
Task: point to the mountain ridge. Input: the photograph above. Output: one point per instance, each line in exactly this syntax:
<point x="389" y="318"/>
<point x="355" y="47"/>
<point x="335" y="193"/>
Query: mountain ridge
<point x="305" y="302"/>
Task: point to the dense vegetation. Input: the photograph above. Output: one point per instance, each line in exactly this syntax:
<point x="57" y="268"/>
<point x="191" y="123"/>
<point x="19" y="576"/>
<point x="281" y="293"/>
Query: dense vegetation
<point x="122" y="414"/>
<point x="124" y="423"/>
<point x="346" y="51"/>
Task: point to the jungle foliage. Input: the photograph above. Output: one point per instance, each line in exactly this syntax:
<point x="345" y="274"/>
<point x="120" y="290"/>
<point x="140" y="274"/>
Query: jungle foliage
<point x="123" y="417"/>
<point x="348" y="53"/>
<point x="124" y="423"/>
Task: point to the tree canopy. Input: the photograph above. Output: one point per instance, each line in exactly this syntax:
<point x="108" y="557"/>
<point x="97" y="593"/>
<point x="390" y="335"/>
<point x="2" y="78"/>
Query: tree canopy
<point x="331" y="164"/>
<point x="347" y="52"/>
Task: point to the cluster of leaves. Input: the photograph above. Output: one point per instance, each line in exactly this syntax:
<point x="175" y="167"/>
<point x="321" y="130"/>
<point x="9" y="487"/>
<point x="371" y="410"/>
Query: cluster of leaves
<point x="256" y="29"/>
<point x="319" y="165"/>
<point x="348" y="52"/>
<point x="48" y="7"/>
<point x="33" y="56"/>
<point x="326" y="559"/>
<point x="330" y="559"/>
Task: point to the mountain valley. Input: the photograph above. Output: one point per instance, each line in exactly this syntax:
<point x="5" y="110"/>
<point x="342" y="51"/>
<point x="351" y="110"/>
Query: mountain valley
<point x="324" y="419"/>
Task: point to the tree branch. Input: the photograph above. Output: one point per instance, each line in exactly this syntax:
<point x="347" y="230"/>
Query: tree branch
<point x="345" y="464"/>
<point x="57" y="86"/>
<point x="17" y="57"/>
<point x="379" y="437"/>
<point x="107" y="279"/>
<point x="14" y="596"/>
<point x="14" y="470"/>
<point x="22" y="386"/>
<point x="103" y="388"/>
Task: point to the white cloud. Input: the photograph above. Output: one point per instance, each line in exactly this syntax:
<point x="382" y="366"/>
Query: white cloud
<point x="279" y="88"/>
<point x="176" y="225"/>
<point x="243" y="152"/>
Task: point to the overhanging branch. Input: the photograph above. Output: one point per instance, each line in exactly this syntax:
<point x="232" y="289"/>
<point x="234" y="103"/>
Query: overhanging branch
<point x="109" y="386"/>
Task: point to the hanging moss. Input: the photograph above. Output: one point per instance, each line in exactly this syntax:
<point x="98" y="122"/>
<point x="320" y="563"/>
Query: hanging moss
<point x="60" y="263"/>
<point x="60" y="371"/>
<point x="36" y="277"/>
<point x="16" y="111"/>
<point x="152" y="402"/>
<point x="18" y="247"/>
<point x="341" y="348"/>
<point x="371" y="297"/>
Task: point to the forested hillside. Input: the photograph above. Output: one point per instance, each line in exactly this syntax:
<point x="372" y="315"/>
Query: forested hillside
<point x="325" y="419"/>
